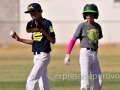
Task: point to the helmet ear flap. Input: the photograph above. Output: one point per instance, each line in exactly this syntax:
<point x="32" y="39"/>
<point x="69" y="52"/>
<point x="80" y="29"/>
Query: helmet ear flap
<point x="84" y="16"/>
<point x="96" y="15"/>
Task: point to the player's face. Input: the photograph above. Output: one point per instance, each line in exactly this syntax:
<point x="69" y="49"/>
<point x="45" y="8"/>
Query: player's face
<point x="36" y="14"/>
<point x="90" y="17"/>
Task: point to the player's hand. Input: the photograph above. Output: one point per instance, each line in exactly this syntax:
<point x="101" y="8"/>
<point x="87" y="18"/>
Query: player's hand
<point x="14" y="35"/>
<point x="42" y="30"/>
<point x="17" y="37"/>
<point x="67" y="59"/>
<point x="33" y="30"/>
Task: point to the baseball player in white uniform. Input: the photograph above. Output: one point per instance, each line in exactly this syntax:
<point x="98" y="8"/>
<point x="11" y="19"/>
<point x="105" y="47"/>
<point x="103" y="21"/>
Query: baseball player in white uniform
<point x="89" y="32"/>
<point x="42" y="36"/>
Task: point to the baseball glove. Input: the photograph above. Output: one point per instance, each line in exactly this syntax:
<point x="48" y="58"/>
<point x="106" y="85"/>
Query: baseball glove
<point x="35" y="23"/>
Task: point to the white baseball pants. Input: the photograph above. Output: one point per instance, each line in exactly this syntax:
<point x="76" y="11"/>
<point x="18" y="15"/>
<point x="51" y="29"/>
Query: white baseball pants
<point x="39" y="72"/>
<point x="89" y="63"/>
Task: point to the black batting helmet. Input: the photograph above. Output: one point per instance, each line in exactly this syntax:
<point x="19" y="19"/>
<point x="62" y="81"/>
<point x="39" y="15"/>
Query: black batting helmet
<point x="91" y="8"/>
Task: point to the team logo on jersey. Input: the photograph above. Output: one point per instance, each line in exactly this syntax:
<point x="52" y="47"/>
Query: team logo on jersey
<point x="51" y="29"/>
<point x="37" y="36"/>
<point x="93" y="35"/>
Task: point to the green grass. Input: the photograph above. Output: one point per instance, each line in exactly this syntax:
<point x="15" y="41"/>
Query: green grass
<point x="16" y="64"/>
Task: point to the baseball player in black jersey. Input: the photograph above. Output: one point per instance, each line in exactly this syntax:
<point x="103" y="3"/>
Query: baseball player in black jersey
<point x="42" y="35"/>
<point x="89" y="32"/>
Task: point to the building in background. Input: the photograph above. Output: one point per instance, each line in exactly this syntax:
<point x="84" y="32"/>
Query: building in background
<point x="65" y="16"/>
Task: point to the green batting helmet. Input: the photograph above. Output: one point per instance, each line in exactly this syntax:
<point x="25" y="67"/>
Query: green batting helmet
<point x="91" y="8"/>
